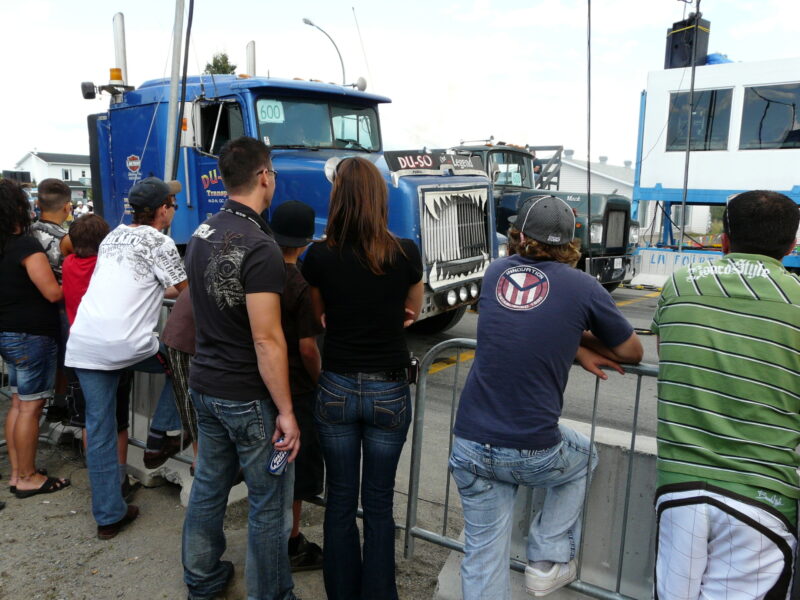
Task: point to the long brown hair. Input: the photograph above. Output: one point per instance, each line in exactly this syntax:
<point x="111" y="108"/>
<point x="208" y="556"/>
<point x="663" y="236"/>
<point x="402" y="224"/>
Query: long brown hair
<point x="358" y="214"/>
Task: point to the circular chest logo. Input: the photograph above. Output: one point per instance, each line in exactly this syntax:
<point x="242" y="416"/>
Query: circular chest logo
<point x="522" y="288"/>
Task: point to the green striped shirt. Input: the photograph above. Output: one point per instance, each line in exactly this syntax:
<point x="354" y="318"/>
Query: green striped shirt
<point x="729" y="375"/>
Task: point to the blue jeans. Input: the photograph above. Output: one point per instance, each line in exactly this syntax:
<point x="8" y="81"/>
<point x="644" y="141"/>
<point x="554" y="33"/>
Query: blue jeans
<point x="234" y="434"/>
<point x="358" y="418"/>
<point x="31" y="362"/>
<point x="487" y="478"/>
<point x="100" y="392"/>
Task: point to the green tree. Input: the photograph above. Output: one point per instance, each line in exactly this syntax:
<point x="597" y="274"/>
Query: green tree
<point x="220" y="65"/>
<point x="716" y="219"/>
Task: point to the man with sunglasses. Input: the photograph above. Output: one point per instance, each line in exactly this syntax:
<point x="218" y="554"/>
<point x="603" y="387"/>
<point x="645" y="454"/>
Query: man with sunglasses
<point x="239" y="384"/>
<point x="728" y="404"/>
<point x="137" y="266"/>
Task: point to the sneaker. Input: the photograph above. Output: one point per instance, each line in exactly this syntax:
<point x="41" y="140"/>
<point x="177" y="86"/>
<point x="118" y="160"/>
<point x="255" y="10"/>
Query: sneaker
<point x="307" y="557"/>
<point x="155" y="458"/>
<point x="541" y="583"/>
<point x="106" y="532"/>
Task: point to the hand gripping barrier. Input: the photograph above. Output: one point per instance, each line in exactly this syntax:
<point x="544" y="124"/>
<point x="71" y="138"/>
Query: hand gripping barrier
<point x="613" y="557"/>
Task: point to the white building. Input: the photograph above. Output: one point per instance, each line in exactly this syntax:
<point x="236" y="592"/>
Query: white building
<point x="608" y="179"/>
<point x="73" y="169"/>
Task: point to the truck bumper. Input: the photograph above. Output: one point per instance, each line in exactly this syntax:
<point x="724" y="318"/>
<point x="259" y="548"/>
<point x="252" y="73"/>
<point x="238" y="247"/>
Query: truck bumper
<point x="610" y="269"/>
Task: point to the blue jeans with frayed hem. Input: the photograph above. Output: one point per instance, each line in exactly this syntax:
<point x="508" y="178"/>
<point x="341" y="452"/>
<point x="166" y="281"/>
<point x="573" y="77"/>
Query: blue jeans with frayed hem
<point x="488" y="477"/>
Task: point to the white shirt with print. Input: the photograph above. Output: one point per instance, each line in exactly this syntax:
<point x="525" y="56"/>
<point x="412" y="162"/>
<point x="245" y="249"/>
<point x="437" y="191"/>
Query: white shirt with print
<point x="114" y="325"/>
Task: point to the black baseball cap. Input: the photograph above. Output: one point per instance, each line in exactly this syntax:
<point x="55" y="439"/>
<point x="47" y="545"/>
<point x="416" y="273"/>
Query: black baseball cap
<point x="152" y="192"/>
<point x="546" y="219"/>
<point x="293" y="224"/>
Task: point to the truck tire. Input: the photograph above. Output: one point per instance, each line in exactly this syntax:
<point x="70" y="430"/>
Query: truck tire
<point x="610" y="287"/>
<point x="439" y="323"/>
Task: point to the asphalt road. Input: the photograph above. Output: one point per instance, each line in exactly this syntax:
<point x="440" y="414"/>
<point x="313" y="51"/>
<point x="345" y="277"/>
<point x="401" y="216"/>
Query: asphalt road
<point x="616" y="396"/>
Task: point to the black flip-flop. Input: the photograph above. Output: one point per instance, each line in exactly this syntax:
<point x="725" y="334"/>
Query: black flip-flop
<point x="13" y="488"/>
<point x="51" y="484"/>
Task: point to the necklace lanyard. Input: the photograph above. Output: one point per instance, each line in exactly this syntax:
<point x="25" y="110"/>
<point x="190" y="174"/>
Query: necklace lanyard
<point x="239" y="213"/>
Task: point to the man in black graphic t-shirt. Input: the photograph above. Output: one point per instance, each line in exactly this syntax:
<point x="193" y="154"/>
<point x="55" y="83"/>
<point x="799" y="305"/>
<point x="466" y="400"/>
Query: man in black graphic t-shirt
<point x="239" y="382"/>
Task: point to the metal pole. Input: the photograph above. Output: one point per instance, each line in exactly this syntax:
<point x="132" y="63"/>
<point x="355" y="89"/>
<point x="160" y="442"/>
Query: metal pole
<point x="120" y="57"/>
<point x="588" y="251"/>
<point x="697" y="16"/>
<point x="172" y="114"/>
<point x="251" y="58"/>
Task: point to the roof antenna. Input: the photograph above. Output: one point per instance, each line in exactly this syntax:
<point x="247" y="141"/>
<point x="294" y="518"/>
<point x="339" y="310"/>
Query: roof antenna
<point x="361" y="40"/>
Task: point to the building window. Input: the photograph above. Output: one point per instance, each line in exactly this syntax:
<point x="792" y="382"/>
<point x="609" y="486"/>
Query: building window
<point x="770" y="117"/>
<point x="83" y="173"/>
<point x="66" y="175"/>
<point x="710" y="120"/>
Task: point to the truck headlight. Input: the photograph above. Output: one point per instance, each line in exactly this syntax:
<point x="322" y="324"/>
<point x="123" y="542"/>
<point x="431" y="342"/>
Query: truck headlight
<point x="502" y="250"/>
<point x="596" y="233"/>
<point x="633" y="238"/>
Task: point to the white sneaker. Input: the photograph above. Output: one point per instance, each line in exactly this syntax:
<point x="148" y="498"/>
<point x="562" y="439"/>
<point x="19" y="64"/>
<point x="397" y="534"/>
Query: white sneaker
<point x="540" y="583"/>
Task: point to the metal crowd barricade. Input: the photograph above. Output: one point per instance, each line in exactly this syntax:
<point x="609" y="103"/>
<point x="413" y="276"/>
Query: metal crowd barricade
<point x="636" y="489"/>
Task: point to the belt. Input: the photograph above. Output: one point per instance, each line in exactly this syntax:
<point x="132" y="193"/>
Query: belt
<point x="394" y="375"/>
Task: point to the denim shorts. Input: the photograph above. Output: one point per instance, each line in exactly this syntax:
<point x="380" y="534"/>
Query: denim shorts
<point x="31" y="363"/>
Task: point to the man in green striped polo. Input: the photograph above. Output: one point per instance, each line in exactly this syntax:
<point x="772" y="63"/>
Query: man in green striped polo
<point x="728" y="412"/>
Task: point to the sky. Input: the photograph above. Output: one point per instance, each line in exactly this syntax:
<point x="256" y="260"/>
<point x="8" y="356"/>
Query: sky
<point x="512" y="69"/>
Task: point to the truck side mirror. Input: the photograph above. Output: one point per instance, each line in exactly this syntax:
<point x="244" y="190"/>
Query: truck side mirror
<point x="330" y="167"/>
<point x="88" y="90"/>
<point x="494" y="173"/>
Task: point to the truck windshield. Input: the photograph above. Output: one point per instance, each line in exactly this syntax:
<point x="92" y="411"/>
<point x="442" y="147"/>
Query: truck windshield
<point x="290" y="123"/>
<point x="512" y="168"/>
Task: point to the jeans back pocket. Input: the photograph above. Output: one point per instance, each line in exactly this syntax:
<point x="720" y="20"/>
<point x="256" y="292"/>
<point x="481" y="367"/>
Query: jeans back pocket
<point x="243" y="420"/>
<point x="329" y="406"/>
<point x="390" y="413"/>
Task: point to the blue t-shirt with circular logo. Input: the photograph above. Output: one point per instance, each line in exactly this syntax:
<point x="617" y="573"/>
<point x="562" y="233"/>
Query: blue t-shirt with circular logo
<point x="532" y="316"/>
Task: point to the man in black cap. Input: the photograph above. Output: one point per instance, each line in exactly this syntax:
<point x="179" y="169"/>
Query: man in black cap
<point x="293" y="227"/>
<point x="537" y="312"/>
<point x="137" y="266"/>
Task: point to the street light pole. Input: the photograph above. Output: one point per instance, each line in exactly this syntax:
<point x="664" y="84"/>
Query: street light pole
<point x="310" y="22"/>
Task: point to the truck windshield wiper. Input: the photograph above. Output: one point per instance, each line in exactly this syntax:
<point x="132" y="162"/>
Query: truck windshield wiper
<point x="353" y="144"/>
<point x="296" y="146"/>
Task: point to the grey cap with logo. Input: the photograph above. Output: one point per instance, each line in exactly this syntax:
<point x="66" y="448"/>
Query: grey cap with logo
<point x="546" y="219"/>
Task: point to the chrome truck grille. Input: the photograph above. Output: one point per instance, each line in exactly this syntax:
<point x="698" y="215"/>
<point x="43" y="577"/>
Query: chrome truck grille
<point x="454" y="235"/>
<point x="615" y="231"/>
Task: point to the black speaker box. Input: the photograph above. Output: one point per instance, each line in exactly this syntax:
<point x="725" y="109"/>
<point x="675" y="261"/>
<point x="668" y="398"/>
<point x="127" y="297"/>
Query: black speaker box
<point x="680" y="38"/>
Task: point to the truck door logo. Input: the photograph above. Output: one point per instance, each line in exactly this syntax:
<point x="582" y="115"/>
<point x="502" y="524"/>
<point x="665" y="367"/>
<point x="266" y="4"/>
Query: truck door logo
<point x="210" y="179"/>
<point x="522" y="288"/>
<point x="134" y="163"/>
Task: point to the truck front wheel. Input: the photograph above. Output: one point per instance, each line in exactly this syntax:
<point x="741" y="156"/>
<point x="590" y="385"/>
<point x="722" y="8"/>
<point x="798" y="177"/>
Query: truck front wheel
<point x="610" y="287"/>
<point x="439" y="323"/>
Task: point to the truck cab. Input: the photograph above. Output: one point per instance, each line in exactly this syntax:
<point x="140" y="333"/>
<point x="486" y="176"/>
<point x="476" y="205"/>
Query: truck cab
<point x="437" y="200"/>
<point x="608" y="237"/>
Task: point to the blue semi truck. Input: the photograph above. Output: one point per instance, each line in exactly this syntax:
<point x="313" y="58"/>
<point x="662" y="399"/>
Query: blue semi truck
<point x="438" y="199"/>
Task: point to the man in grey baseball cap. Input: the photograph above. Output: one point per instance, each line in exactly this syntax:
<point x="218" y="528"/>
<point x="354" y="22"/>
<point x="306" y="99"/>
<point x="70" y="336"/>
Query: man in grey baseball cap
<point x="538" y="314"/>
<point x="153" y="193"/>
<point x="546" y="219"/>
<point x="137" y="266"/>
